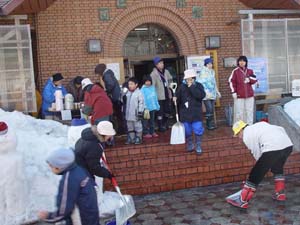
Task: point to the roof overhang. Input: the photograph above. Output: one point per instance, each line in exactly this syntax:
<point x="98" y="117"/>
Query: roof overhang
<point x="272" y="4"/>
<point x="17" y="7"/>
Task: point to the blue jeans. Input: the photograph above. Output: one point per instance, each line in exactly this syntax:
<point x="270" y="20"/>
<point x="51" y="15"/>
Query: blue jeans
<point x="148" y="125"/>
<point x="210" y="107"/>
<point x="194" y="126"/>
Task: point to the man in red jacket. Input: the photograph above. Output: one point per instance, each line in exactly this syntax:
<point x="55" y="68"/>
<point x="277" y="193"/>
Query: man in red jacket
<point x="96" y="102"/>
<point x="240" y="82"/>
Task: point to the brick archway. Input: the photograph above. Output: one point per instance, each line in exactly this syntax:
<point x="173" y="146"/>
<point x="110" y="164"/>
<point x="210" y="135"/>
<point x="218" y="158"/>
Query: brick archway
<point x="180" y="27"/>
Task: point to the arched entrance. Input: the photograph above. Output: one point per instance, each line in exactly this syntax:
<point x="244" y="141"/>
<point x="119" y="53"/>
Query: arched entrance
<point x="143" y="43"/>
<point x="180" y="27"/>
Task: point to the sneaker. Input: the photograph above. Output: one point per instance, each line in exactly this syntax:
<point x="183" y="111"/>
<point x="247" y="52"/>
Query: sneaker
<point x="154" y="135"/>
<point x="138" y="141"/>
<point x="147" y="136"/>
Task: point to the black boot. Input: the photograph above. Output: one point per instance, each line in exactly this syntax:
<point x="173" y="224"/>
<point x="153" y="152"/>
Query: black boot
<point x="160" y="126"/>
<point x="210" y="122"/>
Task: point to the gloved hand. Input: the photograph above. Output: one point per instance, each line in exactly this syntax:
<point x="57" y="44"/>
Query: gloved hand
<point x="140" y="115"/>
<point x="219" y="94"/>
<point x="234" y="95"/>
<point x="247" y="80"/>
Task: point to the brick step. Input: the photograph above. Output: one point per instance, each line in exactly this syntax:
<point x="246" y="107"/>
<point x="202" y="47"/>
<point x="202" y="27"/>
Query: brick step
<point x="155" y="167"/>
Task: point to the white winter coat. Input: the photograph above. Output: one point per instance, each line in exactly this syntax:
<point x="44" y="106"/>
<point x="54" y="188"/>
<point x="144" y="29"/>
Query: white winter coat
<point x="263" y="137"/>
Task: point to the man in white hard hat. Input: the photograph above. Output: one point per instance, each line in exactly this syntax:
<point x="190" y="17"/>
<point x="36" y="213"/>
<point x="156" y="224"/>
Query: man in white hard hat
<point x="270" y="146"/>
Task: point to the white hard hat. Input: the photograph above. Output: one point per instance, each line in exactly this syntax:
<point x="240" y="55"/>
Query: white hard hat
<point x="189" y="73"/>
<point x="85" y="82"/>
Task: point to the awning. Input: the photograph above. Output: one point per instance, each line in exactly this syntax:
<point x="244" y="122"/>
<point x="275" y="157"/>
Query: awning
<point x="272" y="4"/>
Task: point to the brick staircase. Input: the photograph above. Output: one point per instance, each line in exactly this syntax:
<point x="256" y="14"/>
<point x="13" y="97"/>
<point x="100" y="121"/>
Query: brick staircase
<point x="157" y="166"/>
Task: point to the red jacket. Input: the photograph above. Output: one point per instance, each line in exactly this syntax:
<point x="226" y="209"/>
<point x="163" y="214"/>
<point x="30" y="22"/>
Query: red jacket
<point x="237" y="82"/>
<point x="96" y="103"/>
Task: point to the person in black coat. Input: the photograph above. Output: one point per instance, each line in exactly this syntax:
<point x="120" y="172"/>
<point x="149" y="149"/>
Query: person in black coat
<point x="89" y="148"/>
<point x="189" y="98"/>
<point x="112" y="87"/>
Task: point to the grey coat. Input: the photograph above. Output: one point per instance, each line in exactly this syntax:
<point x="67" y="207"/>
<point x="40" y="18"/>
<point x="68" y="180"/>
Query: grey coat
<point x="158" y="84"/>
<point x="134" y="105"/>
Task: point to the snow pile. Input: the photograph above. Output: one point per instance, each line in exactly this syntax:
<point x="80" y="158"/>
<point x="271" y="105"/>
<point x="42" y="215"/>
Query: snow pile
<point x="26" y="179"/>
<point x="292" y="108"/>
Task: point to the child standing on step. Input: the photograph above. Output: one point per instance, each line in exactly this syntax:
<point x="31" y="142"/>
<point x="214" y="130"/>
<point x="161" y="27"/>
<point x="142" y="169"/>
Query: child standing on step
<point x="189" y="98"/>
<point x="134" y="112"/>
<point x="151" y="104"/>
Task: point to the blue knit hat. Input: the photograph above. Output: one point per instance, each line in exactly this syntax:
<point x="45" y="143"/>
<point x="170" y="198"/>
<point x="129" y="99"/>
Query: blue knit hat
<point x="156" y="60"/>
<point x="78" y="122"/>
<point x="61" y="158"/>
<point x="207" y="61"/>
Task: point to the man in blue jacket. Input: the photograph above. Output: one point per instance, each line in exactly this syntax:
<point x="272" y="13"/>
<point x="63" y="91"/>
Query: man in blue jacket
<point x="76" y="189"/>
<point x="53" y="83"/>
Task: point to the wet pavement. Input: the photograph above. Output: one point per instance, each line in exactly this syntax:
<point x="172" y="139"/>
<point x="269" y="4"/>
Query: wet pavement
<point x="207" y="206"/>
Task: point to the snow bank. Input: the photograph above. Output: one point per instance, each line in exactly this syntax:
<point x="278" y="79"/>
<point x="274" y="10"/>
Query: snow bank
<point x="25" y="175"/>
<point x="292" y="108"/>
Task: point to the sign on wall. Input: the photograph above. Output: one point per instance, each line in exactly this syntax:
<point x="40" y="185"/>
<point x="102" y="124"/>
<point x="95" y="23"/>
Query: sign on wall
<point x="196" y="62"/>
<point x="260" y="69"/>
<point x="117" y="66"/>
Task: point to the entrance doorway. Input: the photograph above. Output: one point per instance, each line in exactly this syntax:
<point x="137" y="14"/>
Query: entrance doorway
<point x="144" y="43"/>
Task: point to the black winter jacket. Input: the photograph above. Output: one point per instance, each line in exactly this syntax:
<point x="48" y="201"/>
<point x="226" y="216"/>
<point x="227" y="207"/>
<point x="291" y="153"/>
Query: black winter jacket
<point x="189" y="101"/>
<point x="88" y="152"/>
<point x="112" y="86"/>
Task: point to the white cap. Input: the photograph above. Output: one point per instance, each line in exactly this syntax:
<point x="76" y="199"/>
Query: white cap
<point x="85" y="82"/>
<point x="105" y="128"/>
<point x="189" y="73"/>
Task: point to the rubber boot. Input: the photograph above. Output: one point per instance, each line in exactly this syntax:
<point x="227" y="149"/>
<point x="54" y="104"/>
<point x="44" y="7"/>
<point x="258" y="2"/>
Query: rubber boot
<point x="190" y="145"/>
<point x="138" y="138"/>
<point x="210" y="123"/>
<point x="130" y="138"/>
<point x="198" y="144"/>
<point x="160" y="126"/>
<point x="279" y="194"/>
<point x="241" y="198"/>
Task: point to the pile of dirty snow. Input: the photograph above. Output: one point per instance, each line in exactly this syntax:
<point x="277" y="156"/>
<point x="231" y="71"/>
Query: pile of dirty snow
<point x="292" y="108"/>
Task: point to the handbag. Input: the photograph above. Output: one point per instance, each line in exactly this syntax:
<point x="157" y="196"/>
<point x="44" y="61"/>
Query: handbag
<point x="146" y="114"/>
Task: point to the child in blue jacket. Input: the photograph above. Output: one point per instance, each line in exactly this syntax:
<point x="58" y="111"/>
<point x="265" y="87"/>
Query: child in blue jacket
<point x="76" y="188"/>
<point x="151" y="104"/>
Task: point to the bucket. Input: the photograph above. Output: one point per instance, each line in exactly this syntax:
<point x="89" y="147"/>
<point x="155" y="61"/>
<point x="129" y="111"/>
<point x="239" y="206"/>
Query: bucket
<point x="69" y="101"/>
<point x="296" y="88"/>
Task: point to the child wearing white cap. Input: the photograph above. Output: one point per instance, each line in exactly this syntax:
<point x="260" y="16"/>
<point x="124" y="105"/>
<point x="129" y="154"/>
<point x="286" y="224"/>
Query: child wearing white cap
<point x="189" y="98"/>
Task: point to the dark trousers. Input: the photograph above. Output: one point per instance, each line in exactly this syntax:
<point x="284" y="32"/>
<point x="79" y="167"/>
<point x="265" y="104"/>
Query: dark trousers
<point x="118" y="117"/>
<point x="209" y="107"/>
<point x="164" y="113"/>
<point x="273" y="161"/>
<point x="148" y="125"/>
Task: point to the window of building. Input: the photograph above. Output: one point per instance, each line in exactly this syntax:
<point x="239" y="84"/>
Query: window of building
<point x="149" y="39"/>
<point x="17" y="88"/>
<point x="279" y="42"/>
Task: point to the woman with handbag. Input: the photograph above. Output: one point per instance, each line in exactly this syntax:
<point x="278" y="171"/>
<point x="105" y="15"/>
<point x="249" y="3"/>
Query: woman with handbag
<point x="151" y="106"/>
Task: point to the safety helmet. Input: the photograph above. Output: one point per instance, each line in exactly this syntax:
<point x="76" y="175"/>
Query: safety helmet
<point x="238" y="126"/>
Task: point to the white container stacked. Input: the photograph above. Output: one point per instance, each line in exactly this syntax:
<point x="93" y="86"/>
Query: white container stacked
<point x="59" y="105"/>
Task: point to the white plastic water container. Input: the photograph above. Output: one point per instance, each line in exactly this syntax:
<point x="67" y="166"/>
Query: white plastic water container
<point x="69" y="102"/>
<point x="59" y="105"/>
<point x="296" y="88"/>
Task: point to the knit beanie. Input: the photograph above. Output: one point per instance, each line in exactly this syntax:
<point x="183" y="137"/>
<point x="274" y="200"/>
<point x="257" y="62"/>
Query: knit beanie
<point x="3" y="128"/>
<point x="61" y="158"/>
<point x="207" y="61"/>
<point x="156" y="60"/>
<point x="57" y="77"/>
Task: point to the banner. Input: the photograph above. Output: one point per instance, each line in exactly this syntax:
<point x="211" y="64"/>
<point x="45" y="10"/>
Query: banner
<point x="260" y="69"/>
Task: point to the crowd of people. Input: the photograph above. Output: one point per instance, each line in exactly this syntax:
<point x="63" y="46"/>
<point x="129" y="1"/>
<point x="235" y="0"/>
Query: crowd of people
<point x="137" y="110"/>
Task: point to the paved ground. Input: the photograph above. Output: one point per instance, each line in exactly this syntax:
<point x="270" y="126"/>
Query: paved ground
<point x="206" y="206"/>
